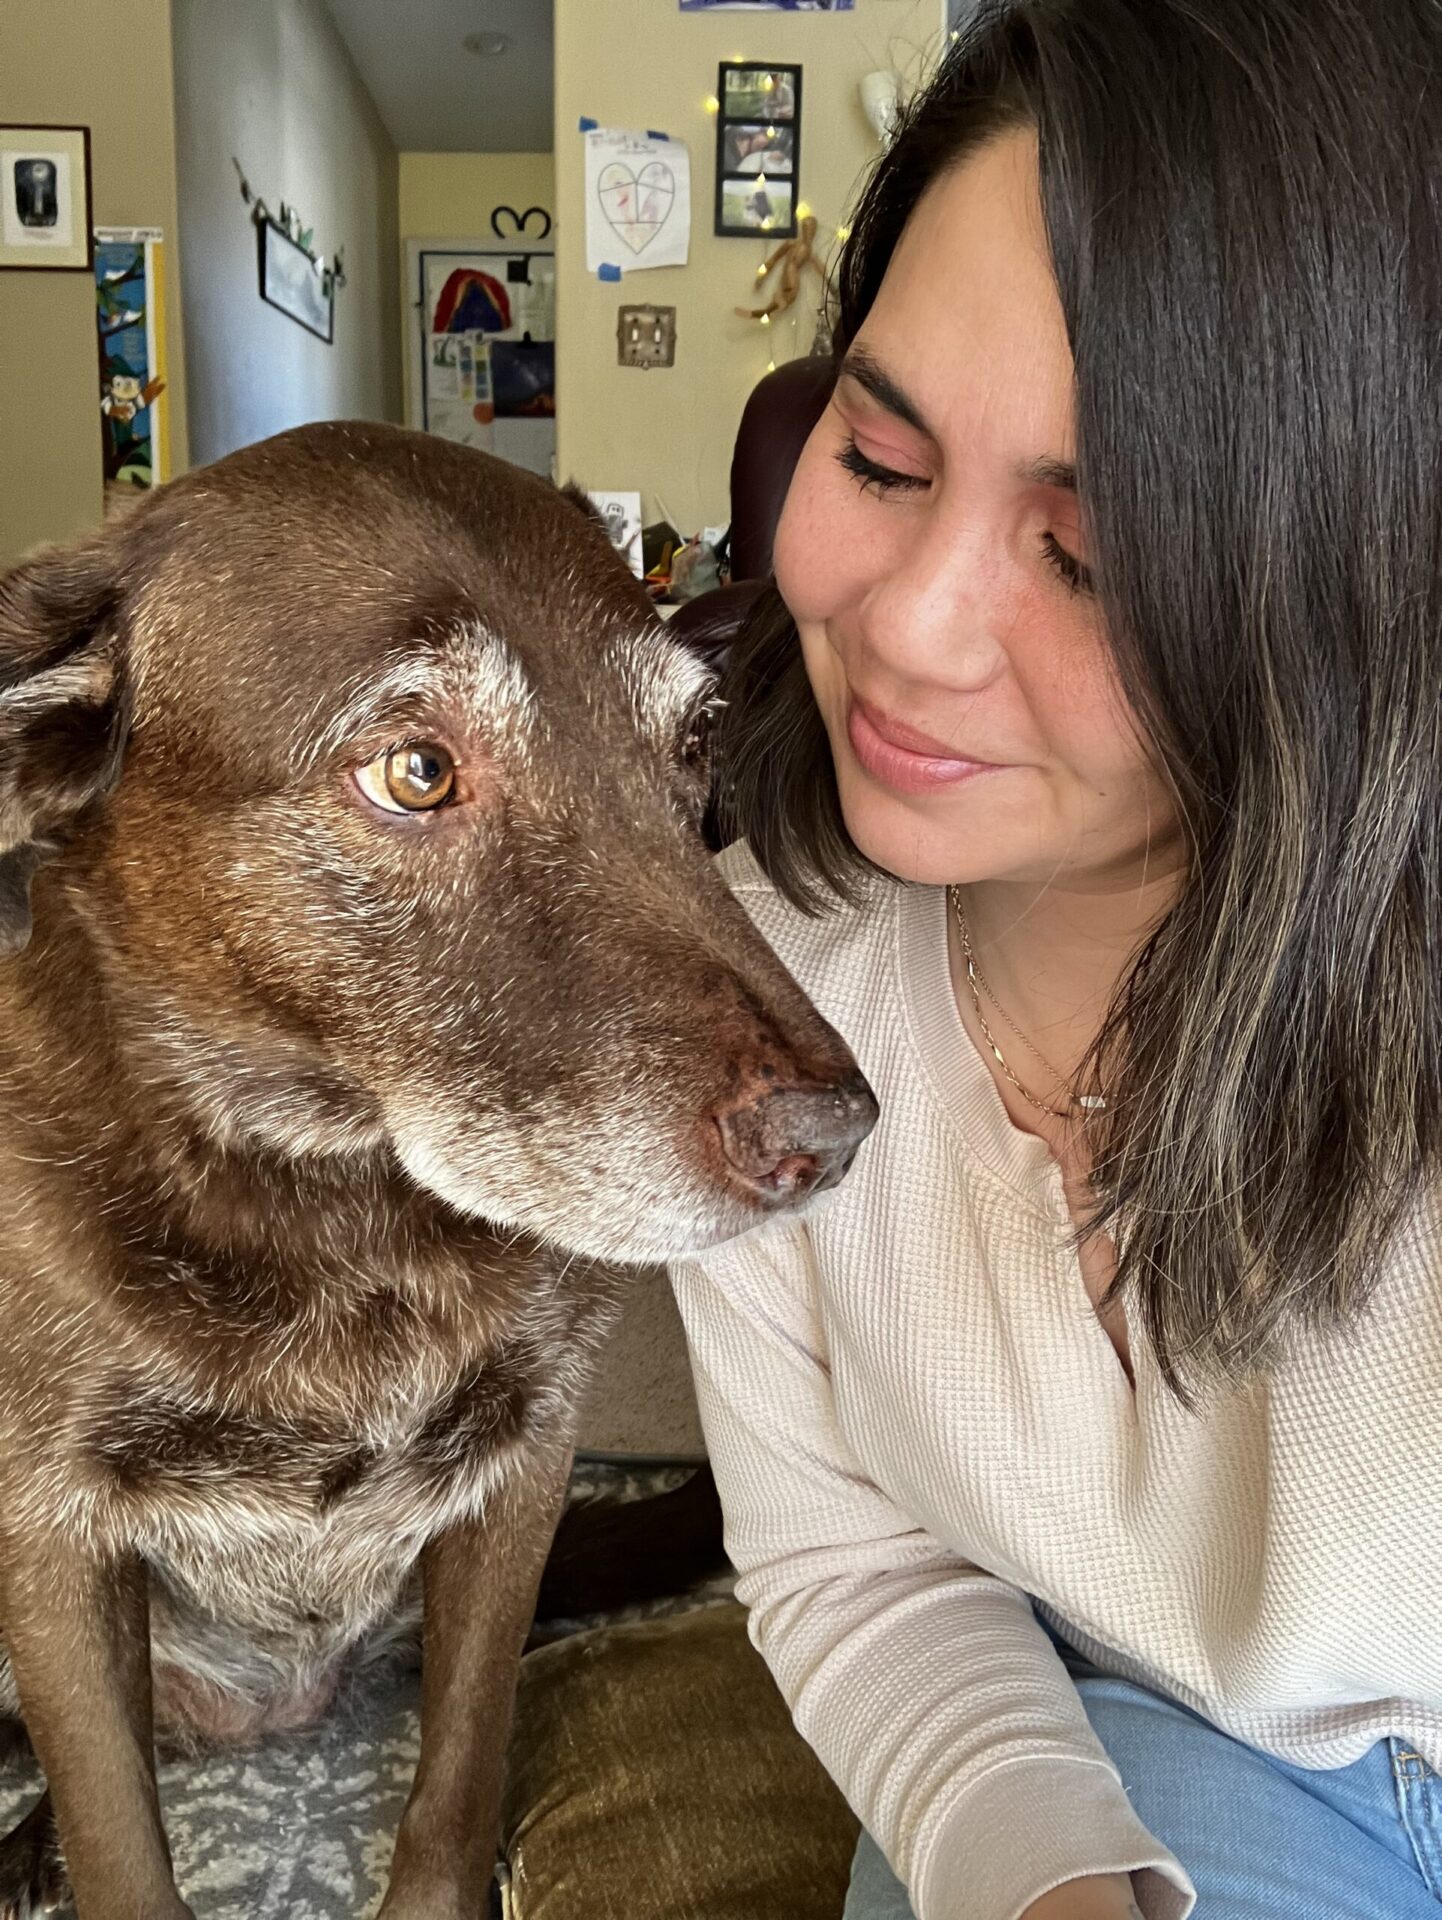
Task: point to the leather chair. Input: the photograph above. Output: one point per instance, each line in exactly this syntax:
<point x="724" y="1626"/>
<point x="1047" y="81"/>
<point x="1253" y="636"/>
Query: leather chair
<point x="775" y="425"/>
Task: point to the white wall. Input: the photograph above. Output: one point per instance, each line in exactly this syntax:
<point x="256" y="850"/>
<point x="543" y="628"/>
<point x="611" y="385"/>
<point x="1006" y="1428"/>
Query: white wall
<point x="271" y="83"/>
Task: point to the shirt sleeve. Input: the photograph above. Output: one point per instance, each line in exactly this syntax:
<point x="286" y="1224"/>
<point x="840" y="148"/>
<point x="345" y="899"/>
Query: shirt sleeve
<point x="926" y="1687"/>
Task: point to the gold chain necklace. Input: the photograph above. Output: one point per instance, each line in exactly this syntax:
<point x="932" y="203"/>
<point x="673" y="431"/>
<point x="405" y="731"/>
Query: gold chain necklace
<point x="976" y="980"/>
<point x="990" y="991"/>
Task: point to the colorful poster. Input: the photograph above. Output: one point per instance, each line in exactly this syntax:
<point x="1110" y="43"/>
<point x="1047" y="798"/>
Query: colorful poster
<point x="130" y="317"/>
<point x="638" y="201"/>
<point x="489" y="366"/>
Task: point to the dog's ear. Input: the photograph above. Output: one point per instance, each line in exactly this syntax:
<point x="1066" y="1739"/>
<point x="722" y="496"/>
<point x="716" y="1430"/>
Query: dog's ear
<point x="62" y="710"/>
<point x="583" y="503"/>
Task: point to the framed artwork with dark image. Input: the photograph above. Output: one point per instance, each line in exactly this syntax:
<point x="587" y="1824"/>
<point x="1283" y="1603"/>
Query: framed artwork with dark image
<point x="758" y="149"/>
<point x="301" y="287"/>
<point x="45" y="199"/>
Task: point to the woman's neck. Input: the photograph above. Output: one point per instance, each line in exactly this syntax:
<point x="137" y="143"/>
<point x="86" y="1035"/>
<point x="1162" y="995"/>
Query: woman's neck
<point x="1054" y="956"/>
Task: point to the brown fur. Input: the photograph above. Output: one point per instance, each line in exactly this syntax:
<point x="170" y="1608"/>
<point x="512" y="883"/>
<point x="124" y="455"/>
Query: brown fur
<point x="310" y="1109"/>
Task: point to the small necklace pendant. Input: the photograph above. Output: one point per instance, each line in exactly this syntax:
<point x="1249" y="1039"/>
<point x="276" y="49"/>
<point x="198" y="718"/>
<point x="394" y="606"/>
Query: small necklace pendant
<point x="1092" y="1102"/>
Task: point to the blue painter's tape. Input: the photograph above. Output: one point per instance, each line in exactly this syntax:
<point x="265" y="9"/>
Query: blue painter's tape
<point x="587" y="125"/>
<point x="607" y="272"/>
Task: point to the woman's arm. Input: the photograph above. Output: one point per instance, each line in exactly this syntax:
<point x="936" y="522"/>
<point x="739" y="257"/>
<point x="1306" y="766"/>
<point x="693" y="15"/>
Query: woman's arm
<point x="926" y="1687"/>
<point x="1108" y="1898"/>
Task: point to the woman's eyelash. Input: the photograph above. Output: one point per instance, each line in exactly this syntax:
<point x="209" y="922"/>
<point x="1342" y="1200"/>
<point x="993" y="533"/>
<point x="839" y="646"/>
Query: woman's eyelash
<point x="1077" y="577"/>
<point x="871" y="474"/>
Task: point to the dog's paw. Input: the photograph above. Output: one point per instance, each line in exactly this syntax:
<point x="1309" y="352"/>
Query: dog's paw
<point x="32" y="1872"/>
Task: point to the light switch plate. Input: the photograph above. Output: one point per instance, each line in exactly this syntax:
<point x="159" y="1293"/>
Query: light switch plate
<point x="646" y="336"/>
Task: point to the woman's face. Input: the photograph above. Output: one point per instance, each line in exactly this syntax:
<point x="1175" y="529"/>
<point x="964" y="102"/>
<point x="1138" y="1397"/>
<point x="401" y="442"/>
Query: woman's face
<point x="934" y="555"/>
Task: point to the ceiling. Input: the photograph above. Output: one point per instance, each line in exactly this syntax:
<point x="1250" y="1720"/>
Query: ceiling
<point x="434" y="95"/>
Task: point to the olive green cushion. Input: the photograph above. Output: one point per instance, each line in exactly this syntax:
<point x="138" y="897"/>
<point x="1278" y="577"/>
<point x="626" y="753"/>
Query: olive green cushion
<point x="655" y="1774"/>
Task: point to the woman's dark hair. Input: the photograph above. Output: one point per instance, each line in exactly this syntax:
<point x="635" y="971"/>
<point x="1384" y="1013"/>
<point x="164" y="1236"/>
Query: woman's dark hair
<point x="1244" y="206"/>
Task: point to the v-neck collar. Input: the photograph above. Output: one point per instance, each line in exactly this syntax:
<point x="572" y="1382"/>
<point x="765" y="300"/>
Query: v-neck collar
<point x="959" y="1075"/>
<point x="972" y="1105"/>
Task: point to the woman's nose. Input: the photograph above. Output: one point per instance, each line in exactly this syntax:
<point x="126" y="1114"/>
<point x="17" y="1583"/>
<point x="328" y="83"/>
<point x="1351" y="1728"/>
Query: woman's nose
<point x="937" y="613"/>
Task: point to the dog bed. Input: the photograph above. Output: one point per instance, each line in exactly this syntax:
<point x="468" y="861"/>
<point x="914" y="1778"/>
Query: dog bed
<point x="302" y="1828"/>
<point x="655" y="1775"/>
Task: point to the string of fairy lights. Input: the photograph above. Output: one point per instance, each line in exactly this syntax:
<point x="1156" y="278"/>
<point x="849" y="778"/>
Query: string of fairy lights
<point x="793" y="313"/>
<point x="803" y="211"/>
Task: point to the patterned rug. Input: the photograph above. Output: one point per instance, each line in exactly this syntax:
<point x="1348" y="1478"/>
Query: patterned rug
<point x="303" y="1829"/>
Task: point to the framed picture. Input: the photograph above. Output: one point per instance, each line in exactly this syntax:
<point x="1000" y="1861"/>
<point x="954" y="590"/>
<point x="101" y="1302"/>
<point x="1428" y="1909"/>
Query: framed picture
<point x="753" y="148"/>
<point x="758" y="149"/>
<point x="292" y="281"/>
<point x="45" y="199"/>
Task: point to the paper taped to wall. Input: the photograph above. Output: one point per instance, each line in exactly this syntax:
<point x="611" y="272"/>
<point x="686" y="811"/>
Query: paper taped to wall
<point x="638" y="200"/>
<point x="621" y="515"/>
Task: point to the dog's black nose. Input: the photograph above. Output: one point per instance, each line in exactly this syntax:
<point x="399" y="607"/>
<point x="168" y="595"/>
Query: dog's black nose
<point x="792" y="1141"/>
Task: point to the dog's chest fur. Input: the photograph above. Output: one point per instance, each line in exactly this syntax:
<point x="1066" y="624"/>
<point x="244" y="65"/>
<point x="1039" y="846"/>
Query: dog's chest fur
<point x="291" y="1525"/>
<point x="279" y="1439"/>
<point x="394" y="1425"/>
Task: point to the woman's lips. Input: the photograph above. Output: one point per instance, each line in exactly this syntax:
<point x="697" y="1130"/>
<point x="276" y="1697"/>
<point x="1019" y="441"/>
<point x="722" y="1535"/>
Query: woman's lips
<point x="903" y="759"/>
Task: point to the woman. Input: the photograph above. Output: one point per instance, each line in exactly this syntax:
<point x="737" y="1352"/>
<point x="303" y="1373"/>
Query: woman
<point x="1082" y="1455"/>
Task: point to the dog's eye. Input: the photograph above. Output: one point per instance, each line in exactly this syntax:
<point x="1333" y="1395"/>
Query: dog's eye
<point x="415" y="778"/>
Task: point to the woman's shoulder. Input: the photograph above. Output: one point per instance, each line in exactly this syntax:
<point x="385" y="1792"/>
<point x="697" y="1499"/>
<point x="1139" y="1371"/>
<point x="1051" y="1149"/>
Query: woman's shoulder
<point x="844" y="938"/>
<point x="747" y="878"/>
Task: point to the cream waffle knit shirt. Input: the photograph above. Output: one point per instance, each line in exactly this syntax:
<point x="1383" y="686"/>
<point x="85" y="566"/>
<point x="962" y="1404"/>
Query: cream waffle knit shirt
<point x="917" y="1421"/>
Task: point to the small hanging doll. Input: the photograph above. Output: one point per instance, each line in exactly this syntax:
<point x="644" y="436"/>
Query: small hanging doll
<point x="793" y="256"/>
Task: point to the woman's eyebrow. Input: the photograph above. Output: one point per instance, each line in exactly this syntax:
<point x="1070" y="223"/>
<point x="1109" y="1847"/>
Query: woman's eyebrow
<point x="868" y="372"/>
<point x="1048" y="473"/>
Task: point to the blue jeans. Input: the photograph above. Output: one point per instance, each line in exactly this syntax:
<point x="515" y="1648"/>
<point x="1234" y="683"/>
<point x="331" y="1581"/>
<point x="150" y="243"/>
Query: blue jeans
<point x="1261" y="1839"/>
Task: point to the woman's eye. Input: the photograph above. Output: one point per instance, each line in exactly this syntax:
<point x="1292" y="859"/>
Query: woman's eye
<point x="415" y="778"/>
<point x="1076" y="575"/>
<point x="871" y="473"/>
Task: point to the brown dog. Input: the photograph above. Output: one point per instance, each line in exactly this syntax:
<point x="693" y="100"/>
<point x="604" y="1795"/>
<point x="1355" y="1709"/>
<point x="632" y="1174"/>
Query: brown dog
<point x="376" y="965"/>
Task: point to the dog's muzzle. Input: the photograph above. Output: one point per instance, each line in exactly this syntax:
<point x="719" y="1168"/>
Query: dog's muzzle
<point x="795" y="1141"/>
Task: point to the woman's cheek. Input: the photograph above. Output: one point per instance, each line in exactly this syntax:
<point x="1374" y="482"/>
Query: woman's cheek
<point x="821" y="540"/>
<point x="1078" y="712"/>
<point x="799" y="568"/>
<point x="827" y="674"/>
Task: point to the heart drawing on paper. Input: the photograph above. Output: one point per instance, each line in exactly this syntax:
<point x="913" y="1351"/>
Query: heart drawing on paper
<point x="636" y="204"/>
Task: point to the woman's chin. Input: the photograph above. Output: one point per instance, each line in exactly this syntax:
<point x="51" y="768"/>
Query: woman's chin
<point x="933" y="859"/>
<point x="898" y="838"/>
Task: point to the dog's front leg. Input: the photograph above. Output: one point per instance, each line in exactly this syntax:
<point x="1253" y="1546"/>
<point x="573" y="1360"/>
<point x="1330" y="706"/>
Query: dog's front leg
<point x="77" y="1630"/>
<point x="479" y="1584"/>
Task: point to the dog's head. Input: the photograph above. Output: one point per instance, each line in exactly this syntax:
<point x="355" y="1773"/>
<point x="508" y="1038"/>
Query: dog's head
<point x="370" y="786"/>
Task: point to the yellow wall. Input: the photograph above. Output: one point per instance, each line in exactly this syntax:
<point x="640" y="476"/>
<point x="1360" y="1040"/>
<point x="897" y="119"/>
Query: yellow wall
<point x="643" y="63"/>
<point x="105" y="64"/>
<point x="453" y="193"/>
<point x="451" y="196"/>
